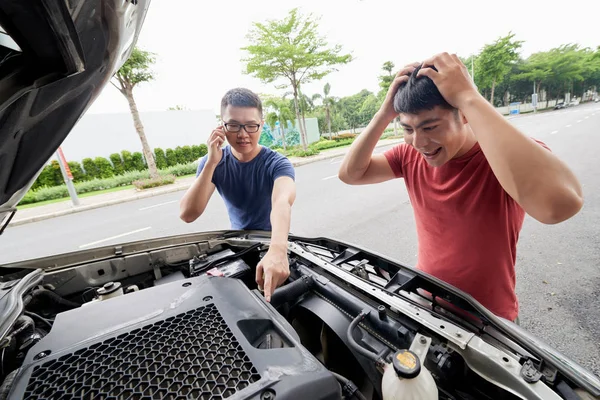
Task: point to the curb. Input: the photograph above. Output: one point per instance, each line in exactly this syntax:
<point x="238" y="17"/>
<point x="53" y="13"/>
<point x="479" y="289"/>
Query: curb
<point x="160" y="192"/>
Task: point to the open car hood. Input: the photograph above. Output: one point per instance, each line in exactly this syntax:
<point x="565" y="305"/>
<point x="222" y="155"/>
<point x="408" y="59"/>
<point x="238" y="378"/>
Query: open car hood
<point x="56" y="57"/>
<point x="344" y="276"/>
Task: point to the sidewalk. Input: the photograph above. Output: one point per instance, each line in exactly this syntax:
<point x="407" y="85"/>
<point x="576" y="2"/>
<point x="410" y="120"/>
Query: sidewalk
<point x="66" y="207"/>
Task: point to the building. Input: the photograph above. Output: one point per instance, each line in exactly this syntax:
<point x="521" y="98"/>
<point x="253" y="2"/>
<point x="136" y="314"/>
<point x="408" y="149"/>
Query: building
<point x="100" y="135"/>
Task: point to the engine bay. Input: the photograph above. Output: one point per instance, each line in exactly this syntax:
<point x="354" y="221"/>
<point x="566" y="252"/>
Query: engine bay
<point x="188" y="321"/>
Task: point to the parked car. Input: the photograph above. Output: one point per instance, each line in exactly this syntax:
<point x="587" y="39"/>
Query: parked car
<point x="560" y="105"/>
<point x="181" y="316"/>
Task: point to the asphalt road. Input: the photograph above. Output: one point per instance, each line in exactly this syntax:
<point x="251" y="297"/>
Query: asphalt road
<point x="558" y="268"/>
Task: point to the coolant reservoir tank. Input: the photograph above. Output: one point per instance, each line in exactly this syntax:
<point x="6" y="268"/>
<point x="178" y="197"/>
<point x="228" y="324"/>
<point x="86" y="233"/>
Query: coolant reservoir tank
<point x="406" y="379"/>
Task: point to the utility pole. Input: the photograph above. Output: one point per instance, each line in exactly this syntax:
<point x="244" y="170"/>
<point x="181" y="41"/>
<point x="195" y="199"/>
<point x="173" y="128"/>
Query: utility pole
<point x="67" y="176"/>
<point x="534" y="98"/>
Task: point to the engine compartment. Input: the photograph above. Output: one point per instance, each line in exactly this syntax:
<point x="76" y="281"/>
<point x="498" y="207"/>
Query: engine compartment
<point x="189" y="322"/>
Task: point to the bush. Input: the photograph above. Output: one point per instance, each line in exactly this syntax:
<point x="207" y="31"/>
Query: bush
<point x="180" y="155"/>
<point x="138" y="161"/>
<point x="345" y="136"/>
<point x="91" y="170"/>
<point x="127" y="161"/>
<point x="50" y="176"/>
<point x="302" y="153"/>
<point x="160" y="158"/>
<point x="199" y="151"/>
<point x="117" y="163"/>
<point x="77" y="171"/>
<point x="46" y="193"/>
<point x="105" y="168"/>
<point x="182" y="169"/>
<point x="171" y="157"/>
<point x="151" y="183"/>
<point x="30" y="197"/>
<point x="94" y="185"/>
<point x="188" y="155"/>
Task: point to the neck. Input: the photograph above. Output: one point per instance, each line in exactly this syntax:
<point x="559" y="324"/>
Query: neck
<point x="469" y="142"/>
<point x="246" y="157"/>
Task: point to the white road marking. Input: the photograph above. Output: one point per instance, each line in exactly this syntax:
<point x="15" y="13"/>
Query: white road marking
<point x="333" y="160"/>
<point x="115" y="237"/>
<point x="338" y="162"/>
<point x="568" y="126"/>
<point x="158" y="205"/>
<point x="586" y="117"/>
<point x="329" y="177"/>
<point x="554" y="132"/>
<point x="579" y="121"/>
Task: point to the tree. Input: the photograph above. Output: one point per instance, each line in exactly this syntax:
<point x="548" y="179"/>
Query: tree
<point x="536" y="69"/>
<point x="281" y="112"/>
<point x="136" y="70"/>
<point x="495" y="62"/>
<point x="328" y="104"/>
<point x="292" y="51"/>
<point x="385" y="81"/>
<point x="351" y="107"/>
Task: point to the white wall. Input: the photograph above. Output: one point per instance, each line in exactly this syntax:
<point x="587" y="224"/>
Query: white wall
<point x="99" y="135"/>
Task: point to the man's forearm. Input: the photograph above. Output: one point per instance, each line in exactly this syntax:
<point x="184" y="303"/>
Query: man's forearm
<point x="356" y="162"/>
<point x="540" y="182"/>
<point x="280" y="224"/>
<point x="195" y="200"/>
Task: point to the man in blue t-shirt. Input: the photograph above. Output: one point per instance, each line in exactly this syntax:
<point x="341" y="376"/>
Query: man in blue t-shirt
<point x="256" y="183"/>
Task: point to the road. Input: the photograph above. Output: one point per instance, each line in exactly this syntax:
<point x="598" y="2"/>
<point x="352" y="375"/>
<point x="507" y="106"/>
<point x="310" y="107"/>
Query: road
<point x="558" y="274"/>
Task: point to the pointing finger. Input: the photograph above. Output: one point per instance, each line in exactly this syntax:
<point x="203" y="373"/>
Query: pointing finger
<point x="268" y="285"/>
<point x="259" y="275"/>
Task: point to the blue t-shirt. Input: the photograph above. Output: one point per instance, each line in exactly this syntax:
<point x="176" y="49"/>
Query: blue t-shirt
<point x="246" y="187"/>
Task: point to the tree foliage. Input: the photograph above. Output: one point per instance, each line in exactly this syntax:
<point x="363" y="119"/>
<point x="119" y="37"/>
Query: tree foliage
<point x="495" y="61"/>
<point x="290" y="52"/>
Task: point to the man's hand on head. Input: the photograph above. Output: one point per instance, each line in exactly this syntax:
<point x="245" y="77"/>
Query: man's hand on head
<point x="451" y="78"/>
<point x="387" y="108"/>
<point x="273" y="270"/>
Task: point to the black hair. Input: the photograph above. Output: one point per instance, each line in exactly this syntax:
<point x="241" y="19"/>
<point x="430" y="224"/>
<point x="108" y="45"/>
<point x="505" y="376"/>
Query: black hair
<point x="419" y="94"/>
<point x="241" y="97"/>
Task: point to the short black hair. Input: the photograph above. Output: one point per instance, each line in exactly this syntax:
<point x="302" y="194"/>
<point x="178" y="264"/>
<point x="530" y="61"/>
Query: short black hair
<point x="241" y="97"/>
<point x="419" y="94"/>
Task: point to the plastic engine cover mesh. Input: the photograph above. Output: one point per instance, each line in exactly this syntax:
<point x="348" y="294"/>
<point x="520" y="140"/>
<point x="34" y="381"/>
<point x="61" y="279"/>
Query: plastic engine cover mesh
<point x="193" y="354"/>
<point x="198" y="338"/>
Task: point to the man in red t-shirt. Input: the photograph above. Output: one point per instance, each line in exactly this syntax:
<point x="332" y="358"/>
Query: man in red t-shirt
<point x="471" y="176"/>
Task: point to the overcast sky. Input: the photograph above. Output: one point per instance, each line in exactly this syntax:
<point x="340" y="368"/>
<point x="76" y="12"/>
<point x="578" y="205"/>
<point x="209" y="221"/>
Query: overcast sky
<point x="198" y="42"/>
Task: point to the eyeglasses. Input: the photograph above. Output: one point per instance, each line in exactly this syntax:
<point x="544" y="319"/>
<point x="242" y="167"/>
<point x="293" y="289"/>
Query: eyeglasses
<point x="250" y="128"/>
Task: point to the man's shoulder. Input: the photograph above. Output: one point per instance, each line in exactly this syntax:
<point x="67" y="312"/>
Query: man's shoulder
<point x="402" y="154"/>
<point x="277" y="164"/>
<point x="270" y="155"/>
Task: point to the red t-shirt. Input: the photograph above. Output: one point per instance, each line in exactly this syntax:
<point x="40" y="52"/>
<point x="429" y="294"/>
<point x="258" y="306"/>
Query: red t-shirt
<point x="467" y="225"/>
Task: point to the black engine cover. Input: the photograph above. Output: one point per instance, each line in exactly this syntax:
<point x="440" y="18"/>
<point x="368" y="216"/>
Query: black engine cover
<point x="203" y="338"/>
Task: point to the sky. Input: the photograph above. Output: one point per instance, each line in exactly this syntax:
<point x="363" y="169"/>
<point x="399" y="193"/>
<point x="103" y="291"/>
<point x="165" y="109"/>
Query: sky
<point x="198" y="43"/>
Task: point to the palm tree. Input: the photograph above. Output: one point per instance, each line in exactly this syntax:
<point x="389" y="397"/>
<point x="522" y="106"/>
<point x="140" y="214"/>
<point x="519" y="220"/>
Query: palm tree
<point x="305" y="104"/>
<point x="328" y="103"/>
<point x="281" y="112"/>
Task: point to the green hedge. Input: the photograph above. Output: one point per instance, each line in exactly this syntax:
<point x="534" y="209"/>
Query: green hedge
<point x="117" y="164"/>
<point x="159" y="158"/>
<point x="126" y="179"/>
<point x="330" y="144"/>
